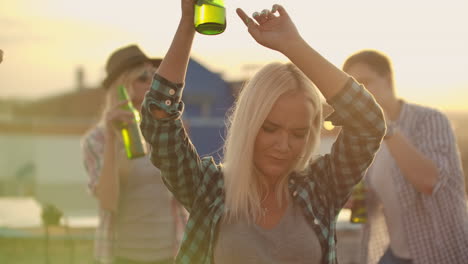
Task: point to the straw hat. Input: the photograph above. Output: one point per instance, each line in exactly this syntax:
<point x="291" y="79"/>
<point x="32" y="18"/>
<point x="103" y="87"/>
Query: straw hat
<point x="123" y="59"/>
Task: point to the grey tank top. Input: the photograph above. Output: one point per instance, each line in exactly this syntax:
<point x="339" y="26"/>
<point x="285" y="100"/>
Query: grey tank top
<point x="292" y="240"/>
<point x="144" y="228"/>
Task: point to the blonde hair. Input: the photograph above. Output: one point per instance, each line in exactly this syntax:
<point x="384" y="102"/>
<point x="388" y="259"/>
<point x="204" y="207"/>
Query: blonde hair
<point x="244" y="184"/>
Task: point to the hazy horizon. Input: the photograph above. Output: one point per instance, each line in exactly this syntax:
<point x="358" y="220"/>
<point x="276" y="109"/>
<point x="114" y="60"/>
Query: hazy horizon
<point x="44" y="42"/>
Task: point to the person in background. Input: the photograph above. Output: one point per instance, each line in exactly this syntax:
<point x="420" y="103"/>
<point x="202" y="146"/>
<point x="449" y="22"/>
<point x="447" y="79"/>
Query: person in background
<point x="137" y="215"/>
<point x="269" y="201"/>
<point x="417" y="211"/>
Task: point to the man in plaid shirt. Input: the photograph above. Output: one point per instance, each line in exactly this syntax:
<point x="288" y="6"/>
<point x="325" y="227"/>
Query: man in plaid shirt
<point x="417" y="211"/>
<point x="316" y="188"/>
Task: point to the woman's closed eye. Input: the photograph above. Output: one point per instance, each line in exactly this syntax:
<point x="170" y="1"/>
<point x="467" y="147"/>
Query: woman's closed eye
<point x="300" y="134"/>
<point x="269" y="128"/>
<point x="145" y="76"/>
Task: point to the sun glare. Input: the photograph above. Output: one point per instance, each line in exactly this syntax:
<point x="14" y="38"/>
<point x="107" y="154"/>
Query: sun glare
<point x="429" y="55"/>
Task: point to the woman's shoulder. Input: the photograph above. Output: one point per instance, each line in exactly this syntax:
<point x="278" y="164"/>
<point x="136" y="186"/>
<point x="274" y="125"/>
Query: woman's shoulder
<point x="95" y="135"/>
<point x="210" y="165"/>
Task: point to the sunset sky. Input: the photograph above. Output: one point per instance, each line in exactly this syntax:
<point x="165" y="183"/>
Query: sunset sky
<point x="44" y="41"/>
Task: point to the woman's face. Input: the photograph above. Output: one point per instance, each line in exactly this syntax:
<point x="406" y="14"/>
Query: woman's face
<point x="281" y="140"/>
<point x="141" y="85"/>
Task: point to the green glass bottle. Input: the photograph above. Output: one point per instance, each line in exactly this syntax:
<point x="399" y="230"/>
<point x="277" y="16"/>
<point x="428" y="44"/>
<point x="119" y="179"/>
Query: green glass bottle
<point x="210" y="17"/>
<point x="132" y="137"/>
<point x="358" y="208"/>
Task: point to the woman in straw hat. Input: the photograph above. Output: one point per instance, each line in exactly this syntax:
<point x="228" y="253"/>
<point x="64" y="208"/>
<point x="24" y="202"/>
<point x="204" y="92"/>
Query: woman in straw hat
<point x="137" y="215"/>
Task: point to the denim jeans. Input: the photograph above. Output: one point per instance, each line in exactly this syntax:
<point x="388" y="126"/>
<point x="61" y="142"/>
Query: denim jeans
<point x="390" y="258"/>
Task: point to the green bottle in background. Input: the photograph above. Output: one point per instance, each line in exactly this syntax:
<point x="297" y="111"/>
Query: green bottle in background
<point x="210" y="17"/>
<point x="358" y="208"/>
<point x="132" y="138"/>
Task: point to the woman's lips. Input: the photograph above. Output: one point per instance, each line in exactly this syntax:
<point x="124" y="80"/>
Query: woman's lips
<point x="279" y="159"/>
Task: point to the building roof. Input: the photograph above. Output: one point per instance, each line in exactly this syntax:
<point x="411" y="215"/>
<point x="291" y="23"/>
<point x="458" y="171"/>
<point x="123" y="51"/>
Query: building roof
<point x="75" y="111"/>
<point x="205" y="89"/>
<point x="68" y="113"/>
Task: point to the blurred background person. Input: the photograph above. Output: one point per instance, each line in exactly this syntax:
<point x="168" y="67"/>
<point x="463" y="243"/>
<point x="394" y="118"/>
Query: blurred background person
<point x="417" y="210"/>
<point x="138" y="217"/>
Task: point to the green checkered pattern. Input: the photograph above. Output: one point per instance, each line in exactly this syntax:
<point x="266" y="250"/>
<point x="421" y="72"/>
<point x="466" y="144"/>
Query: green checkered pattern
<point x="321" y="190"/>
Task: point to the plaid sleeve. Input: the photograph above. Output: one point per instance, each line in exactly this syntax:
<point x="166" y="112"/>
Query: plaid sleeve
<point x="171" y="149"/>
<point x="165" y="95"/>
<point x="92" y="145"/>
<point x="436" y="140"/>
<point x="363" y="128"/>
<point x="92" y="150"/>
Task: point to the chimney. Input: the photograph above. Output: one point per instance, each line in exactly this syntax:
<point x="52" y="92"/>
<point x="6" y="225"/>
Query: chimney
<point x="80" y="78"/>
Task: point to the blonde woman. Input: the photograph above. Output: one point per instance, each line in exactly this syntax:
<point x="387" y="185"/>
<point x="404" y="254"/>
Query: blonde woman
<point x="137" y="215"/>
<point x="269" y="202"/>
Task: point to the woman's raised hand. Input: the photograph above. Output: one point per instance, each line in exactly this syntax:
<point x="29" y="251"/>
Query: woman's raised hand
<point x="273" y="29"/>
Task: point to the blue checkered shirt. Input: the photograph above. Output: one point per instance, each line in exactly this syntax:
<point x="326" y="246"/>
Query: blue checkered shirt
<point x="320" y="191"/>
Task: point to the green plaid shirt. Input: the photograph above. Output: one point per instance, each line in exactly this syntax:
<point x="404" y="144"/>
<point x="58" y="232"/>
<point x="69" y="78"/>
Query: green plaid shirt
<point x="320" y="191"/>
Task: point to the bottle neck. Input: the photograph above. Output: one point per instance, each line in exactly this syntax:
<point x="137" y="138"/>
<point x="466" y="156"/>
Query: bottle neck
<point x="122" y="94"/>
